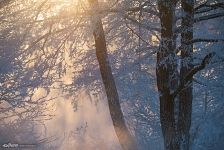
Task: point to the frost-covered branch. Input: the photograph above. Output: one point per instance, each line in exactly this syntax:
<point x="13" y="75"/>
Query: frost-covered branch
<point x="145" y="26"/>
<point x="207" y="17"/>
<point x="208" y="7"/>
<point x="192" y="72"/>
<point x="207" y="40"/>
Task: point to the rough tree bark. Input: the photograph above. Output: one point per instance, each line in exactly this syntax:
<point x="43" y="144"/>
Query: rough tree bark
<point x="176" y="88"/>
<point x="166" y="71"/>
<point x="124" y="136"/>
<point x="185" y="96"/>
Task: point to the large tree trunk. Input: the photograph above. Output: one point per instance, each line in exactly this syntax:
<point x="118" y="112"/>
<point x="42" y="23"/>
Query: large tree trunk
<point x="126" y="140"/>
<point x="185" y="96"/>
<point x="166" y="71"/>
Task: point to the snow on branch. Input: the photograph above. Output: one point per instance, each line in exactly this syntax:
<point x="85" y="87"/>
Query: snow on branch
<point x="208" y="7"/>
<point x="207" y="40"/>
<point x="207" y="17"/>
<point x="192" y="72"/>
<point x="145" y="26"/>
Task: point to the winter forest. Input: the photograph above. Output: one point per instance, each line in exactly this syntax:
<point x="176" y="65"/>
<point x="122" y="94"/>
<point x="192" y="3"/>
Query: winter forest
<point x="112" y="74"/>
